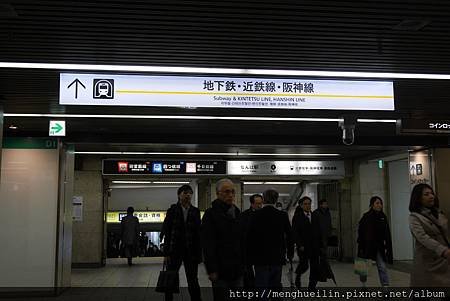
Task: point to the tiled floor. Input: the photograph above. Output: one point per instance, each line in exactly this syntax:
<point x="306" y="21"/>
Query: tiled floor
<point x="144" y="273"/>
<point x="119" y="282"/>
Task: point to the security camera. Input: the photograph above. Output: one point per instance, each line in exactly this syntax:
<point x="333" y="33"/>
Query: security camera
<point x="347" y="126"/>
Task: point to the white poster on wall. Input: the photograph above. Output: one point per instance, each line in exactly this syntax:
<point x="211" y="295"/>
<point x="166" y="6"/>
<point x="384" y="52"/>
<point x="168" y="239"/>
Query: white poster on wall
<point x="77" y="206"/>
<point x="420" y="168"/>
<point x="223" y="92"/>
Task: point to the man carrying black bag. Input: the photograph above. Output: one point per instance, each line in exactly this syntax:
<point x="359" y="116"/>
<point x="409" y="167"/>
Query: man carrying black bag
<point x="306" y="233"/>
<point x="181" y="231"/>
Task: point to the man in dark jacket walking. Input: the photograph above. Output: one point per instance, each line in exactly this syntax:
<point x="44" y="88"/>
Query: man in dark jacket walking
<point x="269" y="240"/>
<point x="256" y="203"/>
<point x="222" y="240"/>
<point x="130" y="234"/>
<point x="181" y="230"/>
<point x="324" y="219"/>
<point x="306" y="232"/>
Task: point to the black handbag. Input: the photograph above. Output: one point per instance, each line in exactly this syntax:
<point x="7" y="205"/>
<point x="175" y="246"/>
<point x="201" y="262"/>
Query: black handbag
<point x="168" y="281"/>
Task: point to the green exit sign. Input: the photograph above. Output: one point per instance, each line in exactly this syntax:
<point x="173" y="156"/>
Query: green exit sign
<point x="380" y="164"/>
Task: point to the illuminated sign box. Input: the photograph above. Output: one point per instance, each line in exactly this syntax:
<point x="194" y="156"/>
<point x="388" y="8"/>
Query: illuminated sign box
<point x="143" y="216"/>
<point x="115" y="217"/>
<point x="423" y="126"/>
<point x="161" y="167"/>
<point x="286" y="168"/>
<point x="222" y="92"/>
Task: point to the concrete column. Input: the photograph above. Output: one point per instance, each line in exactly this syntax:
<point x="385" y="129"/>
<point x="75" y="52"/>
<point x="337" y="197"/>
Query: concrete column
<point x="64" y="217"/>
<point x="1" y="138"/>
<point x="204" y="194"/>
<point x="442" y="178"/>
<point x="88" y="234"/>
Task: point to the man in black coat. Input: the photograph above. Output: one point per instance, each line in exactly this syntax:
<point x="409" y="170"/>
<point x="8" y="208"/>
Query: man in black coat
<point x="181" y="231"/>
<point x="256" y="203"/>
<point x="269" y="239"/>
<point x="129" y="227"/>
<point x="306" y="232"/>
<point x="222" y="241"/>
<point x="324" y="219"/>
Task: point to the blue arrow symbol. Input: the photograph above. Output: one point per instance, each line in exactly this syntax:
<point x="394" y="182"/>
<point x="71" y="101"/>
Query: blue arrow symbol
<point x="76" y="82"/>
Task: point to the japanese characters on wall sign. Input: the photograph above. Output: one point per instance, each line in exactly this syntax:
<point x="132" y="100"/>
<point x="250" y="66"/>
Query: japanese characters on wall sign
<point x="219" y="92"/>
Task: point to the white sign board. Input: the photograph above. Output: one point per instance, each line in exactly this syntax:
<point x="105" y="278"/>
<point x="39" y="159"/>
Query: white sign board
<point x="57" y="128"/>
<point x="420" y="168"/>
<point x="77" y="208"/>
<point x="220" y="92"/>
<point x="288" y="168"/>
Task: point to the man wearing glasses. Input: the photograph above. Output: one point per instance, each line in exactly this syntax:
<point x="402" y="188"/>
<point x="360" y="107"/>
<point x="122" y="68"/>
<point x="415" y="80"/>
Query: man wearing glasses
<point x="221" y="239"/>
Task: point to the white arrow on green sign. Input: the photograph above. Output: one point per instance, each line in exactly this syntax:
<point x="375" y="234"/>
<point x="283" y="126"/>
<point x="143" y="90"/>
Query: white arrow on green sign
<point x="57" y="128"/>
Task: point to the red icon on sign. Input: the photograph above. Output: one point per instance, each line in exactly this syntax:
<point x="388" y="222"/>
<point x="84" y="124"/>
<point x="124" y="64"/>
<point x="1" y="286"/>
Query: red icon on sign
<point x="122" y="166"/>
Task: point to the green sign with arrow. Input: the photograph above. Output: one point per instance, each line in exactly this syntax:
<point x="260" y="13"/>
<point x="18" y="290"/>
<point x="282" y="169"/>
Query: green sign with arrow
<point x="57" y="128"/>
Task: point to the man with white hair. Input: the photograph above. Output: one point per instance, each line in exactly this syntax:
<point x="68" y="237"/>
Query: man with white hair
<point x="221" y="241"/>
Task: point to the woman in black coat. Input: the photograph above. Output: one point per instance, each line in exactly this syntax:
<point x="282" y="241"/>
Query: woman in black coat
<point x="374" y="239"/>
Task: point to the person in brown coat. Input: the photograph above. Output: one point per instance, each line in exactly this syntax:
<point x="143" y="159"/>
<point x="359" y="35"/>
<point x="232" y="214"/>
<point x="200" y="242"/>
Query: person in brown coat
<point x="429" y="228"/>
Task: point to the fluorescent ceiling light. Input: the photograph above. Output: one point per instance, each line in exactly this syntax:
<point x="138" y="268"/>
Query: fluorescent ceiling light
<point x="281" y="72"/>
<point x="289" y="155"/>
<point x="280" y="194"/>
<point x="171" y="182"/>
<point x="149" y="182"/>
<point x="271" y="183"/>
<point x="377" y="120"/>
<point x="206" y="154"/>
<point x="131" y="182"/>
<point x="281" y="183"/>
<point x="192" y="117"/>
<point x="141" y="186"/>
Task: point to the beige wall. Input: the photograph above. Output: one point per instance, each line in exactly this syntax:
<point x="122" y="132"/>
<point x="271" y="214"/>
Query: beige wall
<point x="88" y="234"/>
<point x="442" y="178"/>
<point x="28" y="215"/>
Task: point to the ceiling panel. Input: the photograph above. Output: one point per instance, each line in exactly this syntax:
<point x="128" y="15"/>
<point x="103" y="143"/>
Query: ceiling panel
<point x="352" y="35"/>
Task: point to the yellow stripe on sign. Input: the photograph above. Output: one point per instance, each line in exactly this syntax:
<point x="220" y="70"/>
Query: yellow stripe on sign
<point x="248" y="94"/>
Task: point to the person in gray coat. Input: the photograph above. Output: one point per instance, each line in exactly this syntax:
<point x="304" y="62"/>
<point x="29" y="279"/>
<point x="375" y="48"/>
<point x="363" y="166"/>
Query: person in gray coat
<point x="428" y="226"/>
<point x="130" y="234"/>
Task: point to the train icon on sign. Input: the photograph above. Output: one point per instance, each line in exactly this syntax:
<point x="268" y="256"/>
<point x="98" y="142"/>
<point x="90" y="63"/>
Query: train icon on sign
<point x="103" y="88"/>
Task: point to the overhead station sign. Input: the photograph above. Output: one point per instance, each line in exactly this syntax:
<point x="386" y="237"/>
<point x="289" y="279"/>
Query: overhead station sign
<point x="286" y="168"/>
<point x="221" y="92"/>
<point x="159" y="167"/>
<point x="423" y="126"/>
